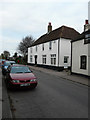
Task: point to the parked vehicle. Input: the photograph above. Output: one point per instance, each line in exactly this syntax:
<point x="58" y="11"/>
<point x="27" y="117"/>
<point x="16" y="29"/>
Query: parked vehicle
<point x="2" y="61"/>
<point x="19" y="76"/>
<point x="5" y="66"/>
<point x="12" y="62"/>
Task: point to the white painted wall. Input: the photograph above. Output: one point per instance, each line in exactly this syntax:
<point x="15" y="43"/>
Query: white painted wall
<point x="89" y="11"/>
<point x="46" y="52"/>
<point x="65" y="50"/>
<point x="89" y="59"/>
<point x="78" y="49"/>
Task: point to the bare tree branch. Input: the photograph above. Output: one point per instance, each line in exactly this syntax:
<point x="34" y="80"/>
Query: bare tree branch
<point x="24" y="44"/>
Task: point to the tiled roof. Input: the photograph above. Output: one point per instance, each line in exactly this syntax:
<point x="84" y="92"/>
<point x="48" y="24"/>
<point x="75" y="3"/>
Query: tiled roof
<point x="61" y="32"/>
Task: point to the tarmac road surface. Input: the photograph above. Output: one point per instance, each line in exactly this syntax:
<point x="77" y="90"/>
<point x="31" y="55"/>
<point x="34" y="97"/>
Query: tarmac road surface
<point x="54" y="97"/>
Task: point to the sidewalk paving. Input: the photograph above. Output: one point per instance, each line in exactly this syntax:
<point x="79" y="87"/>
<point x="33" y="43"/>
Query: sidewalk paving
<point x="0" y="97"/>
<point x="5" y="111"/>
<point x="63" y="74"/>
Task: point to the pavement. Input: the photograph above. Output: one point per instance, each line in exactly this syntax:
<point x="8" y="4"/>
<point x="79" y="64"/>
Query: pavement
<point x="5" y="111"/>
<point x="64" y="74"/>
<point x="0" y="96"/>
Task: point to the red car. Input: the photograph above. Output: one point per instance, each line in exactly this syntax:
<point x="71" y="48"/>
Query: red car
<point x="20" y="76"/>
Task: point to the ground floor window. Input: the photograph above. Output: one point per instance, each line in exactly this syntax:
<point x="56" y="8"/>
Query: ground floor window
<point x="66" y="59"/>
<point x="83" y="61"/>
<point x="53" y="59"/>
<point x="31" y="59"/>
<point x="44" y="59"/>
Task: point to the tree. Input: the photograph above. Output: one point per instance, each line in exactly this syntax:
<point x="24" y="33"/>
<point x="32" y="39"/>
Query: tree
<point x="24" y="44"/>
<point x="6" y="54"/>
<point x="15" y="55"/>
<point x="2" y="56"/>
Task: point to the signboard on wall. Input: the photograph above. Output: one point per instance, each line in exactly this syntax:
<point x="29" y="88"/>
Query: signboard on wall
<point x="89" y="11"/>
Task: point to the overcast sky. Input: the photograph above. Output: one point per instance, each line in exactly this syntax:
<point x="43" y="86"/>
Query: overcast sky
<point x="21" y="18"/>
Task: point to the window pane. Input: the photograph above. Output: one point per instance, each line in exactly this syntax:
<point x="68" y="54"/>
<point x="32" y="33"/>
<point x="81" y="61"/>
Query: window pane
<point x="83" y="62"/>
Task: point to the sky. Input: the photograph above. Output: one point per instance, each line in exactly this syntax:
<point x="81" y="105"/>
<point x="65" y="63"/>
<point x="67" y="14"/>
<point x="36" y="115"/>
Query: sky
<point x="21" y="18"/>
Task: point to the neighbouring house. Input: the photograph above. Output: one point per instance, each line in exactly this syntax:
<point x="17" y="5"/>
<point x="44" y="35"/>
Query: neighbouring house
<point x="53" y="49"/>
<point x="89" y="11"/>
<point x="80" y="52"/>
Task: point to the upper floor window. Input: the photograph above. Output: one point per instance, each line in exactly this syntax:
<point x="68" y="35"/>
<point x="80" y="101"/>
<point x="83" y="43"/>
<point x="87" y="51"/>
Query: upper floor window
<point x="50" y="45"/>
<point x="30" y="50"/>
<point x="54" y="41"/>
<point x="43" y="46"/>
<point x="36" y="48"/>
<point x="83" y="62"/>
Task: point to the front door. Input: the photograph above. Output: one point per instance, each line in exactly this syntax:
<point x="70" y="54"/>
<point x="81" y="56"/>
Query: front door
<point x="35" y="59"/>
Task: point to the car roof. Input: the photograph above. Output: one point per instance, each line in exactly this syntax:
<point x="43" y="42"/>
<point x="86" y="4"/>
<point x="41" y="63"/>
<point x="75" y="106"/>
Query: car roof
<point x="12" y="61"/>
<point x="19" y="65"/>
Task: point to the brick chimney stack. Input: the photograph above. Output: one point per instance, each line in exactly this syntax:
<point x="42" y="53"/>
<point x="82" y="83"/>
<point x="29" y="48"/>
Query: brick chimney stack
<point x="49" y="27"/>
<point x="86" y="26"/>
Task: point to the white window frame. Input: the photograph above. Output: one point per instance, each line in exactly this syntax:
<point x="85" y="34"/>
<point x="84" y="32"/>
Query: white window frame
<point x="53" y="59"/>
<point x="44" y="59"/>
<point x="66" y="58"/>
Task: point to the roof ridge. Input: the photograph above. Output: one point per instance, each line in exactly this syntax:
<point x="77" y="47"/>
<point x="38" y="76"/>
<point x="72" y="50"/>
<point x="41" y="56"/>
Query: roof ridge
<point x="61" y="32"/>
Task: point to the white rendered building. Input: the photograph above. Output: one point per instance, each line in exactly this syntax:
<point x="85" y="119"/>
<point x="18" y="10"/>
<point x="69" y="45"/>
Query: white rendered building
<point x="53" y="49"/>
<point x="89" y="12"/>
<point x="80" y="50"/>
<point x="80" y="57"/>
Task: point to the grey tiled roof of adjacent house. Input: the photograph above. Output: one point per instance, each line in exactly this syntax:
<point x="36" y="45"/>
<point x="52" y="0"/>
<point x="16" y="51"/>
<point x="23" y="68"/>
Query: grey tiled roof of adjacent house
<point x="61" y="32"/>
<point x="81" y="36"/>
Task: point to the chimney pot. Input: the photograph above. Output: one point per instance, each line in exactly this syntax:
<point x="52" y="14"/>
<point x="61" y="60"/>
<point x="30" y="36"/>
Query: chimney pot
<point x="49" y="27"/>
<point x="86" y="21"/>
<point x="49" y="23"/>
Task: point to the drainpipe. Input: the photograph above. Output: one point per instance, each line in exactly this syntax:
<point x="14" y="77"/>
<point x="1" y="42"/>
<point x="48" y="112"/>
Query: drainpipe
<point x="58" y="50"/>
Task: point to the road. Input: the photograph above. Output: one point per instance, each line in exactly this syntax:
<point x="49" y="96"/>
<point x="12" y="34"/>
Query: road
<point x="54" y="97"/>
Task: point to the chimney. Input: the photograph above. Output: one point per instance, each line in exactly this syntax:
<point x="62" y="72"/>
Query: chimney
<point x="86" y="21"/>
<point x="49" y="27"/>
<point x="86" y="26"/>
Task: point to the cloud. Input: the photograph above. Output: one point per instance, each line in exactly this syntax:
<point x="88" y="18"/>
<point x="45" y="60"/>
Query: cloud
<point x="21" y="1"/>
<point x="19" y="18"/>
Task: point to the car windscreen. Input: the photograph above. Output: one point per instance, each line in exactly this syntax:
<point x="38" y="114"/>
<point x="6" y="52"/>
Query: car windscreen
<point x="12" y="62"/>
<point x="20" y="69"/>
<point x="6" y="63"/>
